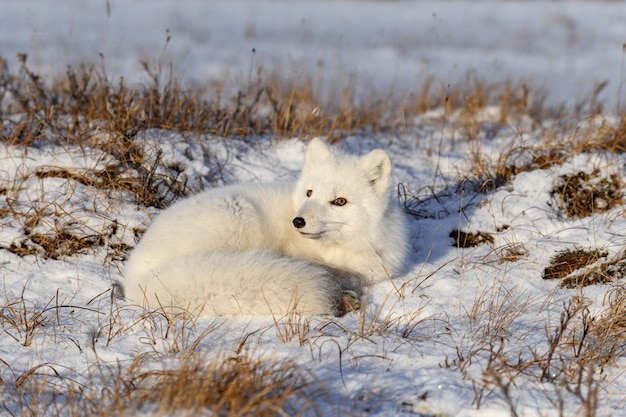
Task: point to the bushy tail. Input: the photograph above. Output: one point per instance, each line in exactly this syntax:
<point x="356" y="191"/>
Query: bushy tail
<point x="239" y="283"/>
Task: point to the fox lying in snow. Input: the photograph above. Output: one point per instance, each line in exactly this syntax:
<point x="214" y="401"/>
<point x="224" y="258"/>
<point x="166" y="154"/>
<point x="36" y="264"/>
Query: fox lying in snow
<point x="259" y="249"/>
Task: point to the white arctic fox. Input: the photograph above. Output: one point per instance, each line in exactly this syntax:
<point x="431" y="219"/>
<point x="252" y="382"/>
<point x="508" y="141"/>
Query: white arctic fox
<point x="274" y="248"/>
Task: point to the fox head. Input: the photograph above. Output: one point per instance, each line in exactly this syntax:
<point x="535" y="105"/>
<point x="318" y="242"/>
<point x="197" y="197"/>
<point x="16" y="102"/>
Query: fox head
<point x="338" y="196"/>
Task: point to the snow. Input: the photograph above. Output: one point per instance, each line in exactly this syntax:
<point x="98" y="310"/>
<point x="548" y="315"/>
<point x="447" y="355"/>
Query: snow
<point x="564" y="46"/>
<point x="400" y="354"/>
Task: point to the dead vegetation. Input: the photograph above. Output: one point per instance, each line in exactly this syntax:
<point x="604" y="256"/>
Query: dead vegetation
<point x="572" y="361"/>
<point x="236" y="386"/>
<point x="583" y="194"/>
<point x="194" y="386"/>
<point x="149" y="186"/>
<point x="568" y="261"/>
<point x="609" y="271"/>
<point x="469" y="239"/>
<point x="512" y="162"/>
<point x="21" y="319"/>
<point x="55" y="246"/>
<point x="70" y="109"/>
<point x="570" y="266"/>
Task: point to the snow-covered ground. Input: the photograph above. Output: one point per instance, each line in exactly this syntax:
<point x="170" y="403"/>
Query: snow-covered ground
<point x="564" y="46"/>
<point x="401" y="355"/>
<point x="423" y="344"/>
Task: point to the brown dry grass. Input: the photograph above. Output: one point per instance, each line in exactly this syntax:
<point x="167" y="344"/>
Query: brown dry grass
<point x="171" y="376"/>
<point x="470" y="239"/>
<point x="608" y="271"/>
<point x="560" y="140"/>
<point x="577" y="349"/>
<point x="583" y="194"/>
<point x="71" y="108"/>
<point x="189" y="386"/>
<point x="570" y="260"/>
<point x="236" y="386"/>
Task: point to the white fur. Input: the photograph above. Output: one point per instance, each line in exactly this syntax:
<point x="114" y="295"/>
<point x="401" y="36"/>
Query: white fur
<point x="235" y="250"/>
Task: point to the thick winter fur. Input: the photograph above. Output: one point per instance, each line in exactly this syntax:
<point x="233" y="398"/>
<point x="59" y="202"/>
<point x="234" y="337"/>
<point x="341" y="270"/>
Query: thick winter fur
<point x="274" y="248"/>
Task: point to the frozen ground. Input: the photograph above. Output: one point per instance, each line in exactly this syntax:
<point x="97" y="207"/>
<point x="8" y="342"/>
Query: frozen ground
<point x="405" y="353"/>
<point x="423" y="344"/>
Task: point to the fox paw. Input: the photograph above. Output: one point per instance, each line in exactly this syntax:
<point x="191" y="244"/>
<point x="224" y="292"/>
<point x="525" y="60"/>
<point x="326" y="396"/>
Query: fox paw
<point x="348" y="301"/>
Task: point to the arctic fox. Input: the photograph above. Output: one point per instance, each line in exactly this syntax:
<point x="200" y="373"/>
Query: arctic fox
<point x="276" y="248"/>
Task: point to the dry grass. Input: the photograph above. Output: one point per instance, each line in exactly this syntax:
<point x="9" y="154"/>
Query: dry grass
<point x="70" y="109"/>
<point x="85" y="99"/>
<point x="583" y="194"/>
<point x="172" y="376"/>
<point x="577" y="349"/>
<point x="22" y="319"/>
<point x="469" y="239"/>
<point x="511" y="162"/>
<point x="560" y="140"/>
<point x="236" y="386"/>
<point x="187" y="385"/>
<point x="570" y="260"/>
<point x="609" y="271"/>
<point x="607" y="136"/>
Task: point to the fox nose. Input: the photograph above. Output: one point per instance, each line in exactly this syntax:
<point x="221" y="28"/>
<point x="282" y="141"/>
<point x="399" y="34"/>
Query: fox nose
<point x="299" y="222"/>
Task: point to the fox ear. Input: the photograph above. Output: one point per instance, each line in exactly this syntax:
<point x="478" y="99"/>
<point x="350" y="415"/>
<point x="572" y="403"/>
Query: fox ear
<point x="316" y="152"/>
<point x="377" y="167"/>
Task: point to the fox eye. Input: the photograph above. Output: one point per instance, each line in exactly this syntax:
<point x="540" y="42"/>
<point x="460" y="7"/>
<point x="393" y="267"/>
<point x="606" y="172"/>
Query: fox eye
<point x="309" y="192"/>
<point x="339" y="201"/>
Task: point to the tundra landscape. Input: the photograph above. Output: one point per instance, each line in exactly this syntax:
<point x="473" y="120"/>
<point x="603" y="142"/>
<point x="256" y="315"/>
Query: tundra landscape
<point x="505" y="123"/>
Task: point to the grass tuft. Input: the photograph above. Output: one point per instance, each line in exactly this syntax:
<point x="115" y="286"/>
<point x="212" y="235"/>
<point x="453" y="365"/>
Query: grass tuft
<point x="470" y="239"/>
<point x="583" y="194"/>
<point x="570" y="260"/>
<point x="605" y="272"/>
<point x="235" y="386"/>
<point x="187" y="386"/>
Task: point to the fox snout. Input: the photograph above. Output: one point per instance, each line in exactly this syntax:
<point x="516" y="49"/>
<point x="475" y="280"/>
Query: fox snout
<point x="299" y="222"/>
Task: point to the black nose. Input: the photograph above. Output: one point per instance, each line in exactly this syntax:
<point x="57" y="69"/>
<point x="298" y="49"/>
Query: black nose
<point x="299" y="222"/>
